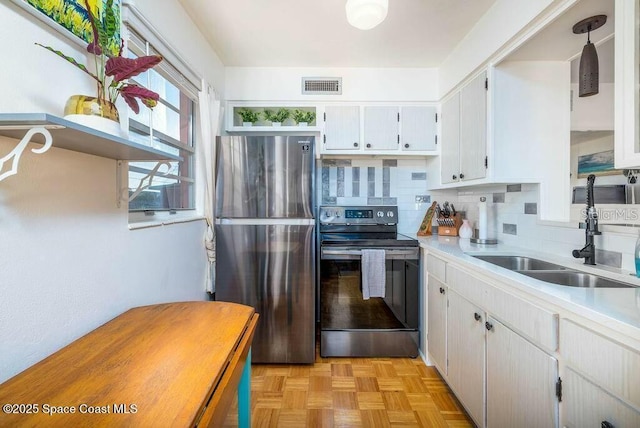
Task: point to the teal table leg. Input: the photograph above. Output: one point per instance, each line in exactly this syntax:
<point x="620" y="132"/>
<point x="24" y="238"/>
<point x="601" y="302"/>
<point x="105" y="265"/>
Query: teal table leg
<point x="244" y="395"/>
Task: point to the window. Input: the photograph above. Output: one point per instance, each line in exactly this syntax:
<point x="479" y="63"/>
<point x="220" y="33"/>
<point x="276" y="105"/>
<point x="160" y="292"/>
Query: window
<point x="169" y="127"/>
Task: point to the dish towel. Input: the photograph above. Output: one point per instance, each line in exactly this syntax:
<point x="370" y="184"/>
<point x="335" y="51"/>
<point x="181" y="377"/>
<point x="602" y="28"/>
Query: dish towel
<point x="373" y="273"/>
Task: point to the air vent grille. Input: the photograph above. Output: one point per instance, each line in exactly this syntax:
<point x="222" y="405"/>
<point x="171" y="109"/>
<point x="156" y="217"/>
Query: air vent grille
<point x="322" y="86"/>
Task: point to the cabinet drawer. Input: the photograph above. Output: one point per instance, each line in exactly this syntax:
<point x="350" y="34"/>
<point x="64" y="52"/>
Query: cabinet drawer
<point x="588" y="406"/>
<point x="609" y="364"/>
<point x="534" y="322"/>
<point x="437" y="268"/>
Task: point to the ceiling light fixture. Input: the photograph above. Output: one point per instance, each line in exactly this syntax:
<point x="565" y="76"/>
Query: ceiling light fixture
<point x="366" y="14"/>
<point x="589" y="77"/>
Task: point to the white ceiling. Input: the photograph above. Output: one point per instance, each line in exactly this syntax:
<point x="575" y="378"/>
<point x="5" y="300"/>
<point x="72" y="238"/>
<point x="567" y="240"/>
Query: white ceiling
<point x="315" y="33"/>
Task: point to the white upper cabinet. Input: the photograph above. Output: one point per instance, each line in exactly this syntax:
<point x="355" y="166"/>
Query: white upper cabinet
<point x="341" y="128"/>
<point x="516" y="129"/>
<point x="464" y="133"/>
<point x="418" y="130"/>
<point x="627" y="80"/>
<point x="473" y="128"/>
<point x="450" y="149"/>
<point x="384" y="130"/>
<point x="381" y="131"/>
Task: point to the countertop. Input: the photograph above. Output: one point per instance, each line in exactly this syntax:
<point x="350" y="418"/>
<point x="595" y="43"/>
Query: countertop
<point x="616" y="308"/>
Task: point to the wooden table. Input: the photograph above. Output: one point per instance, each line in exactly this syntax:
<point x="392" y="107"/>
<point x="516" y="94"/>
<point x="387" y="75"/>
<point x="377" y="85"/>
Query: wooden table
<point x="176" y="364"/>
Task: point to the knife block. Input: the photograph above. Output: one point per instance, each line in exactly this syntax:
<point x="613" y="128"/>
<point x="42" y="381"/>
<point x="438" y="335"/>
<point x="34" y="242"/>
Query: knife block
<point x="445" y="228"/>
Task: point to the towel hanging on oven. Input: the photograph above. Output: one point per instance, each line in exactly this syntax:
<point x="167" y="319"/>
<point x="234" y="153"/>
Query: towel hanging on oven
<point x="373" y="273"/>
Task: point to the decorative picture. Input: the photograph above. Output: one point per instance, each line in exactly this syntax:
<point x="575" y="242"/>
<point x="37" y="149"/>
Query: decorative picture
<point x="598" y="164"/>
<point x="72" y="15"/>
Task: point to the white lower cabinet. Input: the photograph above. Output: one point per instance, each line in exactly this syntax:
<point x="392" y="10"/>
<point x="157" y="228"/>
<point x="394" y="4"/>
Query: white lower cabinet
<point x="466" y="350"/>
<point x="521" y="381"/>
<point x="491" y="357"/>
<point x="586" y="405"/>
<point x="437" y="323"/>
<point x="601" y="386"/>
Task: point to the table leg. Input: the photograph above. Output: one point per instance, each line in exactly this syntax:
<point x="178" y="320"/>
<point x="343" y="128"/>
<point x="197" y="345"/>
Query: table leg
<point x="244" y="395"/>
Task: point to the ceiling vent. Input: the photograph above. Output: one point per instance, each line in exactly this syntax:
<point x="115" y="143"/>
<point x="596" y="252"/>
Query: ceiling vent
<point x="322" y="85"/>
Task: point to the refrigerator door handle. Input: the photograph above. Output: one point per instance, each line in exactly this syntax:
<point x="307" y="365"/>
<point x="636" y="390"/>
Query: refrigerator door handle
<point x="266" y="221"/>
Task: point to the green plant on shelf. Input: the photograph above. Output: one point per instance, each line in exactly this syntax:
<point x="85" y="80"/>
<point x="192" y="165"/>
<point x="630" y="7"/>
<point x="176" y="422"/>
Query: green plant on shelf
<point x="249" y="115"/>
<point x="301" y="116"/>
<point x="277" y="117"/>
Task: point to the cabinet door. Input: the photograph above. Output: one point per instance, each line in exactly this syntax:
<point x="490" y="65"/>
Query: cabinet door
<point x="418" y="129"/>
<point x="437" y="325"/>
<point x="521" y="381"/>
<point x="450" y="149"/>
<point x="627" y="79"/>
<point x="587" y="406"/>
<point x="381" y="128"/>
<point x="465" y="354"/>
<point x="473" y="129"/>
<point x="342" y="128"/>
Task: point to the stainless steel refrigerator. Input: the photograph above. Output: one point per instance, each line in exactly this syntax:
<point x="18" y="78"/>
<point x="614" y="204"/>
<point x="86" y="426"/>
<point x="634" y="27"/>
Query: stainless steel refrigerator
<point x="265" y="240"/>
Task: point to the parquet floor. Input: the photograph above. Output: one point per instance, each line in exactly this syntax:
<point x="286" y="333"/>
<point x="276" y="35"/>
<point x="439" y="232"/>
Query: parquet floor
<point x="351" y="392"/>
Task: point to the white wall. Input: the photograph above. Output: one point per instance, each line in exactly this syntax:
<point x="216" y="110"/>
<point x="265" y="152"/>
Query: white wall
<point x="502" y="23"/>
<point x="68" y="261"/>
<point x="359" y="84"/>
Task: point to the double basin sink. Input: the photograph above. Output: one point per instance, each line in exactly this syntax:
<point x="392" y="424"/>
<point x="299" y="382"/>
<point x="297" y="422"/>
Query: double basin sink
<point x="551" y="272"/>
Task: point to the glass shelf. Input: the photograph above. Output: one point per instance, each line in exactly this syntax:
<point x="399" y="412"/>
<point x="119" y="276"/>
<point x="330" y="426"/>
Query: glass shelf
<point x="79" y="138"/>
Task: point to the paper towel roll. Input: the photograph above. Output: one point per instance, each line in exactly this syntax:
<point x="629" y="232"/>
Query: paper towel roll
<point x="482" y="218"/>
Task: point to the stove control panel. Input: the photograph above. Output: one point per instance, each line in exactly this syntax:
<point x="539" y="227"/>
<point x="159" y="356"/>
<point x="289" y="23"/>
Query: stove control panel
<point x="359" y="215"/>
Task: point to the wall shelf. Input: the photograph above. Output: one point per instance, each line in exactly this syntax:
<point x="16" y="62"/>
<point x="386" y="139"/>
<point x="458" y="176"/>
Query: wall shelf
<point x="72" y="136"/>
<point x="275" y="129"/>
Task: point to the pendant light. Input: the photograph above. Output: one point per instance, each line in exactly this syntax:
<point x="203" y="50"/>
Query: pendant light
<point x="366" y="14"/>
<point x="589" y="78"/>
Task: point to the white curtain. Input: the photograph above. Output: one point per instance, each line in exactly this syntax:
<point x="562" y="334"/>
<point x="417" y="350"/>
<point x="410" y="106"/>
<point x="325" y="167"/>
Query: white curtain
<point x="209" y="107"/>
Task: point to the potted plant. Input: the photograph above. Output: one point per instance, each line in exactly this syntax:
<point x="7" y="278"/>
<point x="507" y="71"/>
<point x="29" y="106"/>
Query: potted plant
<point x="111" y="74"/>
<point x="303" y="118"/>
<point x="276" y="118"/>
<point x="249" y="117"/>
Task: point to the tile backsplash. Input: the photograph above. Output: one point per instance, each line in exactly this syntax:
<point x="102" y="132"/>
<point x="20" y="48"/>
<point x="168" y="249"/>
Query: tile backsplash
<point x="371" y="181"/>
<point x="513" y="212"/>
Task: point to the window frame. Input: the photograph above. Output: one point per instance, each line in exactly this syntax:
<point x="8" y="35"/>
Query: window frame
<point x="185" y="79"/>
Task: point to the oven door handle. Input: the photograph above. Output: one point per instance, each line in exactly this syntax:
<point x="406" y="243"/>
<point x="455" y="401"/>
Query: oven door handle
<point x="389" y="253"/>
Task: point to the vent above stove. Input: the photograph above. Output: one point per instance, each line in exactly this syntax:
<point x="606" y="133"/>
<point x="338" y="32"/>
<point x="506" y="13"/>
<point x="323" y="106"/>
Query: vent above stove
<point x="322" y="85"/>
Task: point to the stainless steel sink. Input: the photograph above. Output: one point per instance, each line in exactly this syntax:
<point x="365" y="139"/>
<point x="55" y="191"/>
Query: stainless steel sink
<point x="571" y="278"/>
<point x="520" y="263"/>
<point x="551" y="272"/>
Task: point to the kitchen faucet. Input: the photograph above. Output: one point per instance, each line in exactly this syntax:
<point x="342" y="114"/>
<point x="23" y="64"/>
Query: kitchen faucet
<point x="590" y="226"/>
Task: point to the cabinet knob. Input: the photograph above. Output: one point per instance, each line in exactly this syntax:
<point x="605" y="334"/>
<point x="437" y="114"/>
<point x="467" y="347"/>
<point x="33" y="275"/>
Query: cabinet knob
<point x="477" y="316"/>
<point x="461" y="176"/>
<point x="441" y="290"/>
<point x="488" y="326"/>
<point x="606" y="424"/>
<point x="355" y="144"/>
<point x="455" y="177"/>
<point x="368" y="146"/>
<point x="406" y="146"/>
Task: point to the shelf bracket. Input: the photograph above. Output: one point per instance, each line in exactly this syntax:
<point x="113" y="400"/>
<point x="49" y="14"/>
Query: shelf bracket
<point x="123" y="190"/>
<point x="22" y="145"/>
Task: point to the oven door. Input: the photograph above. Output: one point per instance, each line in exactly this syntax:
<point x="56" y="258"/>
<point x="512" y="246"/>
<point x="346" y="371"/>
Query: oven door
<point x="378" y="327"/>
